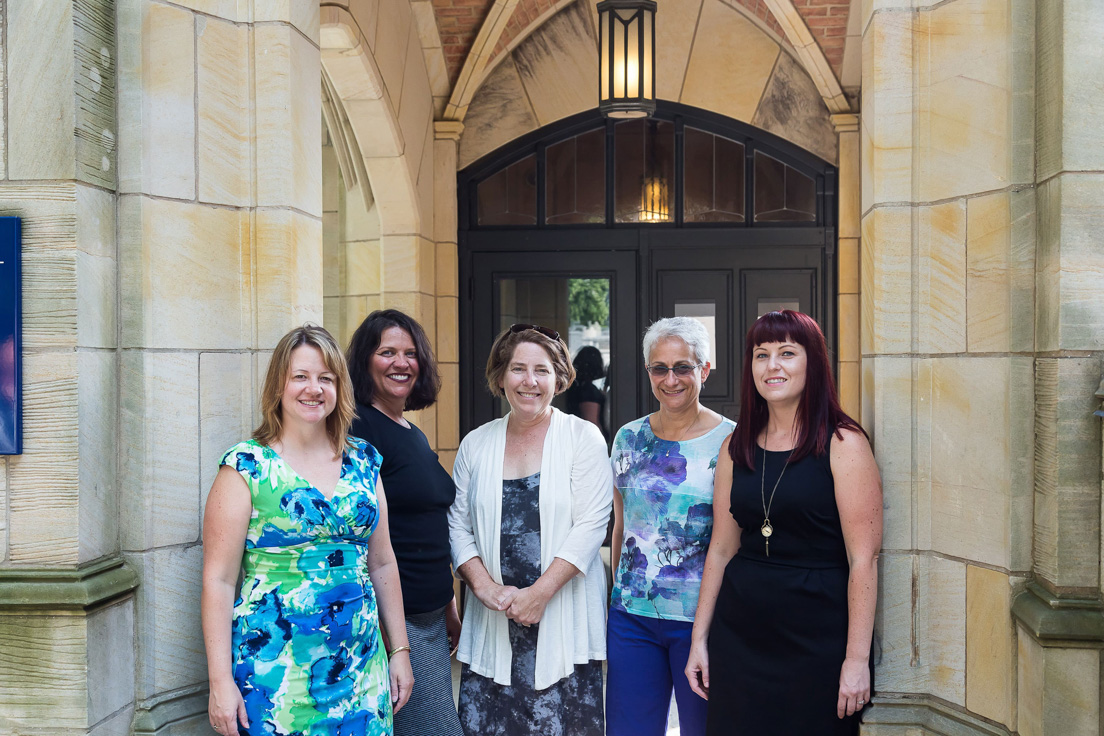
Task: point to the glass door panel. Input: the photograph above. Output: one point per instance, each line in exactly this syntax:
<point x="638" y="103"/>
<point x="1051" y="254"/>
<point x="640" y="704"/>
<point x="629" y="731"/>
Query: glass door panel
<point x="577" y="308"/>
<point x="588" y="297"/>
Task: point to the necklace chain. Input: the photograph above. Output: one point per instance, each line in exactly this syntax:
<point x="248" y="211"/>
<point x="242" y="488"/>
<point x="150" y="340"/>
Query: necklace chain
<point x="767" y="529"/>
<point x="662" y="429"/>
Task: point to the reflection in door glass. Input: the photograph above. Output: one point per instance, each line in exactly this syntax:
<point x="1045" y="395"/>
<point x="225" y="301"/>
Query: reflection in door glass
<point x="782" y="193"/>
<point x="509" y="197"/>
<point x="714" y="178"/>
<point x="777" y="305"/>
<point x="644" y="161"/>
<point x="579" y="309"/>
<point x="576" y="180"/>
<point x="706" y="313"/>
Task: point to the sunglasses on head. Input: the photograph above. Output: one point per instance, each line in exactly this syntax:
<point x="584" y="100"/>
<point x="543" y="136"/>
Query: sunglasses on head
<point x="542" y="330"/>
<point x="682" y="369"/>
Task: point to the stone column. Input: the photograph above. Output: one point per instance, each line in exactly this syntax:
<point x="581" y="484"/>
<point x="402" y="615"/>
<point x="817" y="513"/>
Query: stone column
<point x="947" y="352"/>
<point x="445" y="146"/>
<point x="848" y="259"/>
<point x="220" y="253"/>
<point x="1059" y="616"/>
<point x="67" y="607"/>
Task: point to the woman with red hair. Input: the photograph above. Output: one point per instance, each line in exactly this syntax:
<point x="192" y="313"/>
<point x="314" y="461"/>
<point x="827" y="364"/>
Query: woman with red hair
<point x="782" y="635"/>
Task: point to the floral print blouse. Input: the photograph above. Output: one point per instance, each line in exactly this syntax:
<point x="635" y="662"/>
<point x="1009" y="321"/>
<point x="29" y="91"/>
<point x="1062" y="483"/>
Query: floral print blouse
<point x="667" y="493"/>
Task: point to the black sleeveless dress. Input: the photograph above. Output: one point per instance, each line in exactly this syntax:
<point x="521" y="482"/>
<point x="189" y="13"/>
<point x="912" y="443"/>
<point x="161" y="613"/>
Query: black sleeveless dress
<point x="779" y="633"/>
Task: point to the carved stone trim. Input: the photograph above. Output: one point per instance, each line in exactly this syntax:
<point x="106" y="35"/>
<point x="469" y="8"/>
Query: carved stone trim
<point x="1059" y="622"/>
<point x="156" y="713"/>
<point x="447" y="130"/>
<point x="845" y="122"/>
<point x="934" y="717"/>
<point x="85" y="588"/>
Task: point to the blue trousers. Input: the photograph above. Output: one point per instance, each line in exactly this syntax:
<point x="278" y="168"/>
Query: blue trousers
<point x="645" y="659"/>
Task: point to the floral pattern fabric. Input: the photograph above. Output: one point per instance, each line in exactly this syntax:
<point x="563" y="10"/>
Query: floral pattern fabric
<point x="666" y="490"/>
<point x="570" y="707"/>
<point x="306" y="647"/>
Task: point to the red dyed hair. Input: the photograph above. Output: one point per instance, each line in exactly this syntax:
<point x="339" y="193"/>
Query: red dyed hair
<point x="818" y="413"/>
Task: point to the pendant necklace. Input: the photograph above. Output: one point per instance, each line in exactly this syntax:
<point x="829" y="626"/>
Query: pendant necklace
<point x="767" y="530"/>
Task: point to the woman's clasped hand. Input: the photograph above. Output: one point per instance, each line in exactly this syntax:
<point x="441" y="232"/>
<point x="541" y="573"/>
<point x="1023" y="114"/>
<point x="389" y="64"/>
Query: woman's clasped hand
<point x="533" y="495"/>
<point x="743" y="554"/>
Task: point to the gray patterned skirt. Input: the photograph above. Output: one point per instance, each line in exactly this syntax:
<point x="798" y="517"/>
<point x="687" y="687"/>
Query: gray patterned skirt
<point x="570" y="707"/>
<point x="431" y="709"/>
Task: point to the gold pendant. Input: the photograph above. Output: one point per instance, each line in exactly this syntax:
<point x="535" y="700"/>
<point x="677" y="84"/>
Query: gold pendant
<point x="767" y="529"/>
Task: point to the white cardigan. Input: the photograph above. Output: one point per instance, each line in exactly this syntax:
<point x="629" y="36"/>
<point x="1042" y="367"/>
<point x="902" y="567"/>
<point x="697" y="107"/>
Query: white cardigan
<point x="576" y="494"/>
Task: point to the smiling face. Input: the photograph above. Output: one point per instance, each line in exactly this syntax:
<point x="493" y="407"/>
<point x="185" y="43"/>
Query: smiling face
<point x="530" y="381"/>
<point x="310" y="393"/>
<point x="675" y="392"/>
<point x="394" y="367"/>
<point x="779" y="371"/>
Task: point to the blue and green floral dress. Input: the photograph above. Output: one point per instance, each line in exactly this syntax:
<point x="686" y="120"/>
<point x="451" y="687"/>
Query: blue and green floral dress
<point x="666" y="489"/>
<point x="307" y="652"/>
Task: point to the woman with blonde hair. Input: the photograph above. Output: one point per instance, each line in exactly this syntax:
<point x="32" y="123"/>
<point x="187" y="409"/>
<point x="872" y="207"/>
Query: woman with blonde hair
<point x="298" y="509"/>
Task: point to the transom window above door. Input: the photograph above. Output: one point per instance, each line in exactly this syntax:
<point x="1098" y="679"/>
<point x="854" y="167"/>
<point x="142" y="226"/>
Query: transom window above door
<point x="670" y="170"/>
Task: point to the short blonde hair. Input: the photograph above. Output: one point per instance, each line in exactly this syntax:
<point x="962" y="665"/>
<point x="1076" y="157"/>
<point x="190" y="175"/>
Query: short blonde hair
<point x="272" y="393"/>
<point x="502" y="351"/>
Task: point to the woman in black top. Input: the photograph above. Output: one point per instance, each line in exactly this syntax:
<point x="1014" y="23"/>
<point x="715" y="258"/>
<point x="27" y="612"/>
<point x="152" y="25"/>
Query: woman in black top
<point x="393" y="370"/>
<point x="583" y="398"/>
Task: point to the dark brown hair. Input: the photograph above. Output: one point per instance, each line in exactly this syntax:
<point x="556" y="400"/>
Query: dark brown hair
<point x="818" y="413"/>
<point x="366" y="341"/>
<point x="503" y="350"/>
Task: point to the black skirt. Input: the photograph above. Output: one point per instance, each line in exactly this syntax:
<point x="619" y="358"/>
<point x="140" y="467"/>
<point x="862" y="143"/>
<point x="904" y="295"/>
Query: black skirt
<point x="779" y="632"/>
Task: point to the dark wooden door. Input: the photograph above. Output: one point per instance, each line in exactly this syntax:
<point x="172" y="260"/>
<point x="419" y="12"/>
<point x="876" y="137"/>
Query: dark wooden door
<point x="728" y="281"/>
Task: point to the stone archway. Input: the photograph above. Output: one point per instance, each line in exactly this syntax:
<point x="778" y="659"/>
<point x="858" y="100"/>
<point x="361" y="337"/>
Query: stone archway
<point x="379" y="106"/>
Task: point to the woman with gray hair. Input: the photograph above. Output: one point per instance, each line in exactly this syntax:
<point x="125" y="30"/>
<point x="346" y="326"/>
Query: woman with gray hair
<point x="663" y="468"/>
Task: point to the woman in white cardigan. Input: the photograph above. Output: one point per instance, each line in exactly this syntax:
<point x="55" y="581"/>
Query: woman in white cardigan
<point x="533" y="497"/>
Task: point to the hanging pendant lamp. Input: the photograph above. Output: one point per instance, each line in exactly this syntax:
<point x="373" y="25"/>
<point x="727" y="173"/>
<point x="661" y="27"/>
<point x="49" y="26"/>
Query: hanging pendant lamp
<point x="626" y="69"/>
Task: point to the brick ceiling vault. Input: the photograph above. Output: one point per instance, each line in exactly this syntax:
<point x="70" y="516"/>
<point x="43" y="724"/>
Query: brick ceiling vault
<point x="474" y="32"/>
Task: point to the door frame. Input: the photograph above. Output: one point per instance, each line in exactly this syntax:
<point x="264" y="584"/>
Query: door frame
<point x="521" y="249"/>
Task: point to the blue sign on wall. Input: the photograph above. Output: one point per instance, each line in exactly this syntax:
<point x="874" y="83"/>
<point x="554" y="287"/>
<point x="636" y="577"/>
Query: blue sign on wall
<point x="11" y="354"/>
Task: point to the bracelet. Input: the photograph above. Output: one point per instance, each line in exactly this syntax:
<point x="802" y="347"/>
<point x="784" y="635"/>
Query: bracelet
<point x="396" y="650"/>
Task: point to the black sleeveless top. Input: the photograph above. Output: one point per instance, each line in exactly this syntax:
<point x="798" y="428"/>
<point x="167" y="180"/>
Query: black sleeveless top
<point x="803" y="515"/>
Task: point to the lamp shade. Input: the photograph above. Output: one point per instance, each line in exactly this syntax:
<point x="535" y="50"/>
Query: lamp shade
<point x="626" y="70"/>
<point x="654" y="196"/>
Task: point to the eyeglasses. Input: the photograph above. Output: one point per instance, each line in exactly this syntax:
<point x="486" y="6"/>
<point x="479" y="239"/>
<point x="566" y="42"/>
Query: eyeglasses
<point x="542" y="330"/>
<point x="682" y="369"/>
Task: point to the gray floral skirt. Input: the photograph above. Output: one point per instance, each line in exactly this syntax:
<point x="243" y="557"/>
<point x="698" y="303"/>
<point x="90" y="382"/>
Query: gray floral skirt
<point x="572" y="706"/>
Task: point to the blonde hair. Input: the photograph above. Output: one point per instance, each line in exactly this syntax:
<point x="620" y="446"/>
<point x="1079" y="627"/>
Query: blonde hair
<point x="272" y="393"/>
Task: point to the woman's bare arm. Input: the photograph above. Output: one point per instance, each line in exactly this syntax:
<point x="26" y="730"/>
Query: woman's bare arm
<point x="859" y="500"/>
<point x="384" y="572"/>
<point x="724" y="544"/>
<point x="225" y="524"/>
<point x="618" y="533"/>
